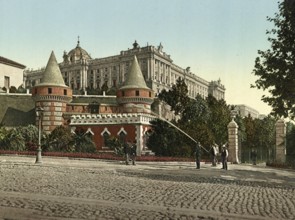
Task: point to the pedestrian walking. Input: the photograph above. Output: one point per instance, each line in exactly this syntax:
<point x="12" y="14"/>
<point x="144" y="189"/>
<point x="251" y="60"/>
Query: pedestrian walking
<point x="214" y="152"/>
<point x="253" y="156"/>
<point x="198" y="155"/>
<point x="133" y="152"/>
<point x="224" y="156"/>
<point x="126" y="152"/>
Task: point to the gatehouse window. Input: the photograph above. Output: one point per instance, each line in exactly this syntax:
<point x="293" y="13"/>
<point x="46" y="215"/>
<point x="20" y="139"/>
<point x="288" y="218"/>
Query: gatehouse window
<point x="106" y="137"/>
<point x="49" y="90"/>
<point x="122" y="136"/>
<point x="137" y="92"/>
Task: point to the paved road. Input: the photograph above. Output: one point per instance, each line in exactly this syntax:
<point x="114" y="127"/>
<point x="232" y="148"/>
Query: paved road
<point x="92" y="189"/>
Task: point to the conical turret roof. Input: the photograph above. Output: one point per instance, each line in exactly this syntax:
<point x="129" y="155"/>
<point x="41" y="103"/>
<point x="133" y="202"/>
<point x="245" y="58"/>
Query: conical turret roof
<point x="135" y="78"/>
<point x="52" y="75"/>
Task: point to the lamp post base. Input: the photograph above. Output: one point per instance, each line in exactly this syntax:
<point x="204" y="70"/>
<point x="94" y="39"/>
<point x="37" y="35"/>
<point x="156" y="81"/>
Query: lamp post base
<point x="39" y="156"/>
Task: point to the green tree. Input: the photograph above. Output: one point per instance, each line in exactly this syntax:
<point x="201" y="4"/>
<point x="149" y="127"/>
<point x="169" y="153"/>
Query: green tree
<point x="93" y="91"/>
<point x="266" y="132"/>
<point x="12" y="89"/>
<point x="165" y="140"/>
<point x="219" y="119"/>
<point x="177" y="97"/>
<point x="250" y="139"/>
<point x="30" y="135"/>
<point x="83" y="142"/>
<point x="275" y="67"/>
<point x="60" y="139"/>
<point x="104" y="87"/>
<point x="21" y="89"/>
<point x="112" y="91"/>
<point x="14" y="140"/>
<point x="204" y="120"/>
<point x="241" y="129"/>
<point x="194" y="121"/>
<point x="259" y="135"/>
<point x="3" y="137"/>
<point x="116" y="145"/>
<point x="195" y="111"/>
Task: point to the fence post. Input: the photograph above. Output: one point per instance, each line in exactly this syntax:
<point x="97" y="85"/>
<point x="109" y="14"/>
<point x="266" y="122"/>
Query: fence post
<point x="233" y="155"/>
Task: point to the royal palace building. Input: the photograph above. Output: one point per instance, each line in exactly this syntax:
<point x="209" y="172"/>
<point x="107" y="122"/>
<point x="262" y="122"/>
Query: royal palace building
<point x="81" y="72"/>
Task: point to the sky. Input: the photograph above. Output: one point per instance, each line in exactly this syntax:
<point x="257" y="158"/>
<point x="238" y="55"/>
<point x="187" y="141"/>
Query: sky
<point x="217" y="39"/>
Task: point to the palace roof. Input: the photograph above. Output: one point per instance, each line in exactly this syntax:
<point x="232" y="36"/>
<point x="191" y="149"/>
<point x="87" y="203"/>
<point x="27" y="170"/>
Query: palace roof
<point x="11" y="63"/>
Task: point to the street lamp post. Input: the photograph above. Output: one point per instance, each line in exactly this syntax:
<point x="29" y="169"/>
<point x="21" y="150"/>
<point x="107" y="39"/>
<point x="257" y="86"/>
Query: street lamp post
<point x="39" y="113"/>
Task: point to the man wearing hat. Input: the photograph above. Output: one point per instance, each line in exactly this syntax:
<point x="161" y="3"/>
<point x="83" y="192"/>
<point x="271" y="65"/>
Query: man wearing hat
<point x="224" y="155"/>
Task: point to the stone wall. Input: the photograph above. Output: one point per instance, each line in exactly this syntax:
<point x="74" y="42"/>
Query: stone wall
<point x="17" y="110"/>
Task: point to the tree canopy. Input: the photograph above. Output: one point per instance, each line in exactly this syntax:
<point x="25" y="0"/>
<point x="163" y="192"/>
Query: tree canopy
<point x="176" y="97"/>
<point x="205" y="120"/>
<point x="275" y="67"/>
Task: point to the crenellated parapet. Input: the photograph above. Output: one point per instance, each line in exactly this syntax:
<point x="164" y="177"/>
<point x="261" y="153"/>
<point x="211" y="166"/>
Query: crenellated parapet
<point x="108" y="119"/>
<point x="38" y="98"/>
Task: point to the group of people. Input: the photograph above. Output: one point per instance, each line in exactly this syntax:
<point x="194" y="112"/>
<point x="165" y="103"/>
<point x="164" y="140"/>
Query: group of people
<point x="214" y="154"/>
<point x="130" y="152"/>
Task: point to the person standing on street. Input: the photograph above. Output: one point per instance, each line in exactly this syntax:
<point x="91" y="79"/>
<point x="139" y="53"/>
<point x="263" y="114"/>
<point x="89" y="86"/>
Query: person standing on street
<point x="224" y="156"/>
<point x="198" y="155"/>
<point x="126" y="152"/>
<point x="214" y="153"/>
<point x="253" y="156"/>
<point x="133" y="152"/>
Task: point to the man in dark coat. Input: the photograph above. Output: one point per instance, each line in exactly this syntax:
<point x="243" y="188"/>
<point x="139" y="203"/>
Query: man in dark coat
<point x="198" y="155"/>
<point x="133" y="152"/>
<point x="126" y="152"/>
<point x="253" y="156"/>
<point x="224" y="156"/>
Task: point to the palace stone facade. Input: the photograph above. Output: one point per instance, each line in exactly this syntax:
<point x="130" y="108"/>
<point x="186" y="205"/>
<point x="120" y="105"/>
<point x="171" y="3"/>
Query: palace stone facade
<point x="80" y="71"/>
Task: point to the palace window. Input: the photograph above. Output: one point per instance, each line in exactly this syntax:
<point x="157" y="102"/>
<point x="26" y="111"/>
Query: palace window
<point x="137" y="93"/>
<point x="49" y="90"/>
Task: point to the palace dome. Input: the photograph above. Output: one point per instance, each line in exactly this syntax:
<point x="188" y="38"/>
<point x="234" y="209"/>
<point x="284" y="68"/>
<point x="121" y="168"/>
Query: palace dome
<point x="78" y="53"/>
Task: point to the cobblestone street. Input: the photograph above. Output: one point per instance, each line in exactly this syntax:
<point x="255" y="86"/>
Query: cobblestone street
<point x="62" y="188"/>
